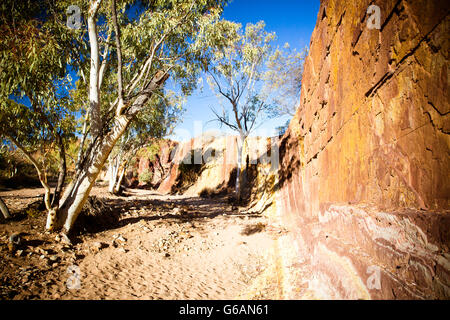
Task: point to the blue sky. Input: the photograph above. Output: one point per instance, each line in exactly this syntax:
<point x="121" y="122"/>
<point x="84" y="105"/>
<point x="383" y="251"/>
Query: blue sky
<point x="292" y="20"/>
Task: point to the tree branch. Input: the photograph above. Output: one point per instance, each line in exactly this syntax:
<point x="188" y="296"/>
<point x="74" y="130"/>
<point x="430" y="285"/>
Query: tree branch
<point x="119" y="58"/>
<point x="41" y="175"/>
<point x="94" y="94"/>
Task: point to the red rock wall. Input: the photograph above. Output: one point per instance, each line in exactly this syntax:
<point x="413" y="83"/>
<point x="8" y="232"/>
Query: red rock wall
<point x="215" y="175"/>
<point x="364" y="179"/>
<point x="160" y="166"/>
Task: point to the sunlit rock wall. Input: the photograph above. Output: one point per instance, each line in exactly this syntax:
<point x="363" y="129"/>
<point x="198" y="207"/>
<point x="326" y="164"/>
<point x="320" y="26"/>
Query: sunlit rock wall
<point x="364" y="180"/>
<point x="159" y="165"/>
<point x="217" y="157"/>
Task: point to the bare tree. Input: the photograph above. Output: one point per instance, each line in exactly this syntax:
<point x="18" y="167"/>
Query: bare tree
<point x="236" y="75"/>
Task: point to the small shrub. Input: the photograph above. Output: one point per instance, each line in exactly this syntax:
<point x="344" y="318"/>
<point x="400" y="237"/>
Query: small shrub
<point x="252" y="229"/>
<point x="206" y="192"/>
<point x="32" y="213"/>
<point x="146" y="176"/>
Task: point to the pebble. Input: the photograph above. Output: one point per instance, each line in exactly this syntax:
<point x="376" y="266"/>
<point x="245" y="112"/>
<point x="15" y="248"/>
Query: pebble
<point x="97" y="246"/>
<point x="121" y="238"/>
<point x="65" y="239"/>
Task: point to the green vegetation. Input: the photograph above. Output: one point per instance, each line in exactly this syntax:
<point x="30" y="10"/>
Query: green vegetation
<point x="146" y="177"/>
<point x="74" y="100"/>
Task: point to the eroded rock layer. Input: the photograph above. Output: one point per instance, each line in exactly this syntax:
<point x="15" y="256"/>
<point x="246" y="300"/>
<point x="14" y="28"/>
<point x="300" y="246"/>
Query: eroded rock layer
<point x="364" y="180"/>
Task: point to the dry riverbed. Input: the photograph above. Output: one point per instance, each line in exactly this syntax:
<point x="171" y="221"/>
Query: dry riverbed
<point x="158" y="247"/>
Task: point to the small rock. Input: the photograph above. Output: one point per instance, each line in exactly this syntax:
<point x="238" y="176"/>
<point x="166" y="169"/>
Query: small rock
<point x="121" y="238"/>
<point x="97" y="246"/>
<point x="19" y="253"/>
<point x="15" y="238"/>
<point x="53" y="258"/>
<point x="65" y="239"/>
<point x="167" y="255"/>
<point x="121" y="249"/>
<point x="78" y="256"/>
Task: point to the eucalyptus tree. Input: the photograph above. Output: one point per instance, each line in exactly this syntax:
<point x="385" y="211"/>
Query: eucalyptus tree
<point x="35" y="110"/>
<point x="123" y="53"/>
<point x="236" y="74"/>
<point x="165" y="38"/>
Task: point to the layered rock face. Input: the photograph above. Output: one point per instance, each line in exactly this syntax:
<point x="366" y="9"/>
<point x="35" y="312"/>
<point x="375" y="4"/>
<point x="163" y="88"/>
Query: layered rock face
<point x="364" y="180"/>
<point x="214" y="157"/>
<point x="158" y="166"/>
<point x="214" y="160"/>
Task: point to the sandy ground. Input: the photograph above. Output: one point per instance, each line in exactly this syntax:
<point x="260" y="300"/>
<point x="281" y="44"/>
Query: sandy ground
<point x="161" y="247"/>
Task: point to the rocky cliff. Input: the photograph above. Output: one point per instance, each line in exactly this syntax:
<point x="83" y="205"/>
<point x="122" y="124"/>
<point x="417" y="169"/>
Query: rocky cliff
<point x="364" y="180"/>
<point x="209" y="162"/>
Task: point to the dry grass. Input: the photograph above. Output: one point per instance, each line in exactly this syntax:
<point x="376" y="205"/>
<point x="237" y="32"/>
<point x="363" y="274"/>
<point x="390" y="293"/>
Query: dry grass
<point x="255" y="228"/>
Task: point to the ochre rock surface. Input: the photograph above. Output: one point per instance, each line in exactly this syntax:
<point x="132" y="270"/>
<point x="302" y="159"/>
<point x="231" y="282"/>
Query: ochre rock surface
<point x="159" y="166"/>
<point x="364" y="179"/>
<point x="217" y="165"/>
<point x="217" y="156"/>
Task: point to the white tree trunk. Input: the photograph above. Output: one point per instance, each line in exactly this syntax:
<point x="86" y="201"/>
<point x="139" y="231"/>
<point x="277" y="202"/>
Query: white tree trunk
<point x="119" y="182"/>
<point x="111" y="177"/>
<point x="113" y="172"/>
<point x="4" y="209"/>
<point x="94" y="94"/>
<point x="77" y="193"/>
<point x="240" y="147"/>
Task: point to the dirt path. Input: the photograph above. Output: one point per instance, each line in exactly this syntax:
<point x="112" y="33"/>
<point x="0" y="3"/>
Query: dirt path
<point x="162" y="247"/>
